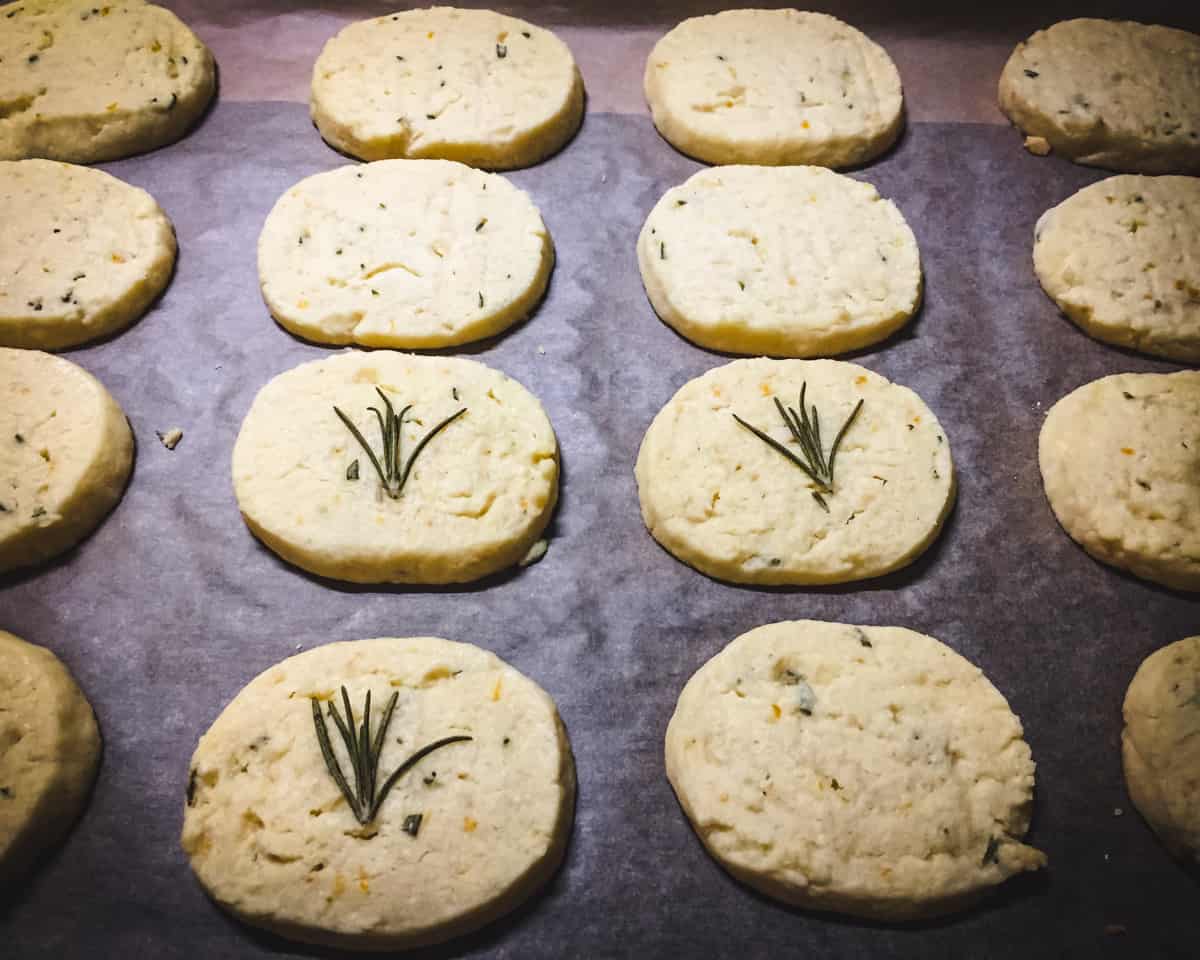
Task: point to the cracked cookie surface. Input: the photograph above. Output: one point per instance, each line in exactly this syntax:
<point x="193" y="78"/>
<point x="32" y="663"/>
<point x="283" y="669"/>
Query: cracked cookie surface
<point x="87" y="82"/>
<point x="403" y="253"/>
<point x="786" y="261"/>
<point x="475" y="86"/>
<point x="863" y="770"/>
<point x="774" y="87"/>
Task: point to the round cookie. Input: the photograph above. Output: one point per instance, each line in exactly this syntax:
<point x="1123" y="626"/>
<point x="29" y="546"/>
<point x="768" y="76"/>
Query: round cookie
<point x="50" y="752"/>
<point x="864" y="770"/>
<point x="403" y="253"/>
<point x="84" y="254"/>
<point x="1109" y="93"/>
<point x="475" y="86"/>
<point x="466" y="833"/>
<point x="1120" y="460"/>
<point x="88" y="83"/>
<point x="66" y="451"/>
<point x="475" y="499"/>
<point x="742" y="508"/>
<point x="1121" y="258"/>
<point x="789" y="261"/>
<point x="1160" y="745"/>
<point x="774" y="87"/>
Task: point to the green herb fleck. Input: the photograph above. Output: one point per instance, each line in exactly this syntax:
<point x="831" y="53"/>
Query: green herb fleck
<point x="1032" y="74"/>
<point x="501" y="51"/>
<point x="393" y="471"/>
<point x="191" y="788"/>
<point x="862" y="637"/>
<point x="33" y="58"/>
<point x="364" y="753"/>
<point x="481" y="224"/>
<point x="990" y="854"/>
<point x="741" y="285"/>
<point x="412" y="824"/>
<point x="805" y="429"/>
<point x="39" y="512"/>
<point x="662" y="251"/>
<point x="481" y="299"/>
<point x="352" y="471"/>
<point x="18" y="438"/>
<point x="525" y="34"/>
<point x="6" y="793"/>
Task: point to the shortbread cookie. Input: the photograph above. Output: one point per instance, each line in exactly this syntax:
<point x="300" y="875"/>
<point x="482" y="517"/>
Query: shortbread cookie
<point x="89" y="83"/>
<point x="865" y="770"/>
<point x="403" y="253"/>
<point x="1120" y="458"/>
<point x="1109" y="93"/>
<point x="1121" y="258"/>
<point x="726" y="485"/>
<point x="84" y="254"/>
<point x="1160" y="745"/>
<point x="475" y="86"/>
<point x="791" y="261"/>
<point x="66" y="451"/>
<point x="466" y="833"/>
<point x="49" y="751"/>
<point x="468" y="502"/>
<point x="774" y="87"/>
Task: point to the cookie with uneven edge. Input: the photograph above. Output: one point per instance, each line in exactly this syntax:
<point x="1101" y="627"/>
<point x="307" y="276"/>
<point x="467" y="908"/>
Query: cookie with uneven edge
<point x="84" y="254"/>
<point x="51" y="752"/>
<point x="475" y="86"/>
<point x="1160" y="745"/>
<point x="66" y="452"/>
<point x="739" y="508"/>
<point x="787" y="261"/>
<point x="473" y="500"/>
<point x="403" y="253"/>
<point x="87" y="83"/>
<point x="864" y="770"/>
<point x="1121" y="258"/>
<point x="1120" y="460"/>
<point x="1109" y="93"/>
<point x="467" y="832"/>
<point x="774" y="87"/>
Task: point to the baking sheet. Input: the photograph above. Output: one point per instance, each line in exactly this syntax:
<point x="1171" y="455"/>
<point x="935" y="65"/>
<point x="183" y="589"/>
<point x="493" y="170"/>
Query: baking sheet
<point x="172" y="606"/>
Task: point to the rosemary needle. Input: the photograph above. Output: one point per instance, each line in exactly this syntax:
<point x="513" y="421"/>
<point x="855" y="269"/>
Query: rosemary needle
<point x="393" y="470"/>
<point x="364" y="753"/>
<point x="805" y="428"/>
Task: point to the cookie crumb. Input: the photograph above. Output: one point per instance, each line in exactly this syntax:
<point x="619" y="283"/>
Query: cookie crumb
<point x="170" y="439"/>
<point x="1038" y="146"/>
<point x="536" y="552"/>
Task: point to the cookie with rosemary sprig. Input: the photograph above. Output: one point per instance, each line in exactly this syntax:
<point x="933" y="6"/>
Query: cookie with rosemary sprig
<point x="66" y="452"/>
<point x="795" y="472"/>
<point x="864" y="770"/>
<point x="385" y="467"/>
<point x="84" y="254"/>
<point x="51" y="749"/>
<point x="380" y="794"/>
<point x="1160" y="745"/>
<point x="1120" y="461"/>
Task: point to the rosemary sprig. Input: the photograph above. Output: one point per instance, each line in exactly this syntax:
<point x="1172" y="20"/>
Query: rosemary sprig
<point x="393" y="470"/>
<point x="805" y="428"/>
<point x="364" y="752"/>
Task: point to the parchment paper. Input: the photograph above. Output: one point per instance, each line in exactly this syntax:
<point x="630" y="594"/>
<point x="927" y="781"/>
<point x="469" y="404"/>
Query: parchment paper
<point x="172" y="606"/>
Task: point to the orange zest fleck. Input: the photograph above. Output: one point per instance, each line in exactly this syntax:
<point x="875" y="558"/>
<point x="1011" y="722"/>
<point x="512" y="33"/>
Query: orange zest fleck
<point x="1128" y="451"/>
<point x="496" y="691"/>
<point x="117" y="258"/>
<point x="804" y="124"/>
<point x="775" y="710"/>
<point x="469" y="825"/>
